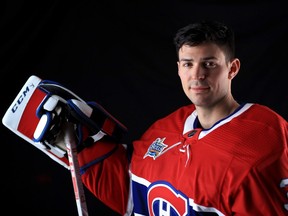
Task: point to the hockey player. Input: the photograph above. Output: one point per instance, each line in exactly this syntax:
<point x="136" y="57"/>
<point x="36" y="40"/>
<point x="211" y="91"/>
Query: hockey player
<point x="216" y="156"/>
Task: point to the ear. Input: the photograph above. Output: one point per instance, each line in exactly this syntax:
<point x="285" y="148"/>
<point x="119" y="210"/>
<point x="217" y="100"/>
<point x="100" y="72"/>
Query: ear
<point x="178" y="67"/>
<point x="234" y="68"/>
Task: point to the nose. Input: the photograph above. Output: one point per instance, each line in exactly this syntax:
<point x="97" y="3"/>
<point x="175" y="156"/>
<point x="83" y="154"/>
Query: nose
<point x="198" y="73"/>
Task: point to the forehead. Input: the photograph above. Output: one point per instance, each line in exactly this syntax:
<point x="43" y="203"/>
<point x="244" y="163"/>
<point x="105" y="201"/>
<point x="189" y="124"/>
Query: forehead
<point x="207" y="50"/>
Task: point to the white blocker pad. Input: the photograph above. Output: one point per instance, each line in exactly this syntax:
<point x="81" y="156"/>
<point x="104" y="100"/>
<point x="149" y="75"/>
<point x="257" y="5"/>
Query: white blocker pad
<point x="24" y="118"/>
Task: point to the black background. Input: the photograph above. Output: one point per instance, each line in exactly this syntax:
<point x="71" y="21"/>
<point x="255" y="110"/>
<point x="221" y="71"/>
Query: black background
<point x="120" y="54"/>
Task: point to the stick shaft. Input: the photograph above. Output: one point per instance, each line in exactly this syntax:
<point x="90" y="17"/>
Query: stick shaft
<point x="79" y="192"/>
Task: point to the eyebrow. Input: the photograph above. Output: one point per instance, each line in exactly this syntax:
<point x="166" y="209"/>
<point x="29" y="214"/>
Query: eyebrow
<point x="203" y="59"/>
<point x="184" y="59"/>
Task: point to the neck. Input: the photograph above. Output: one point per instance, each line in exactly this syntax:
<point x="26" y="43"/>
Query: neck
<point x="209" y="116"/>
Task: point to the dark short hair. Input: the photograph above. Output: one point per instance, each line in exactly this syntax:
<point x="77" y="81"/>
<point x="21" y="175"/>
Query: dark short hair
<point x="207" y="32"/>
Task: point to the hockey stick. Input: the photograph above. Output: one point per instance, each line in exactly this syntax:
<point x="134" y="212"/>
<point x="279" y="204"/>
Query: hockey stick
<point x="69" y="139"/>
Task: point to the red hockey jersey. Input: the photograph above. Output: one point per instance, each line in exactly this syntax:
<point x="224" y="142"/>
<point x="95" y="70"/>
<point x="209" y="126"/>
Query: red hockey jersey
<point x="237" y="167"/>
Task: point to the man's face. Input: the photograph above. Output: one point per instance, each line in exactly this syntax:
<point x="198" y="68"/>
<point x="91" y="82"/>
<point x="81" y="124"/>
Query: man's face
<point x="204" y="74"/>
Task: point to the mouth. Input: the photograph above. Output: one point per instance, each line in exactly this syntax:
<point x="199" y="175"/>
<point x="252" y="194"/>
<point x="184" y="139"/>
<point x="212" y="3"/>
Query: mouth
<point x="198" y="89"/>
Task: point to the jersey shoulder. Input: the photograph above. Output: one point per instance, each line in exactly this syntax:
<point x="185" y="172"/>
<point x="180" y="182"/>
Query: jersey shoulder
<point x="176" y="119"/>
<point x="172" y="123"/>
<point x="261" y="113"/>
<point x="264" y="133"/>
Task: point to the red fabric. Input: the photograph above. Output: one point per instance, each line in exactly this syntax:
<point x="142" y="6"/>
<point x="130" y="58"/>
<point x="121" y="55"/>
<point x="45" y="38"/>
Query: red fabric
<point x="237" y="167"/>
<point x="112" y="185"/>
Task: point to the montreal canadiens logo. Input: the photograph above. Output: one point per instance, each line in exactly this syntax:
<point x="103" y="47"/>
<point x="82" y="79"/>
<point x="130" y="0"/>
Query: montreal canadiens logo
<point x="163" y="199"/>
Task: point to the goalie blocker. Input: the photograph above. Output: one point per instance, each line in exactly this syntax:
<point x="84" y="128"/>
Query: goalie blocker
<point x="40" y="110"/>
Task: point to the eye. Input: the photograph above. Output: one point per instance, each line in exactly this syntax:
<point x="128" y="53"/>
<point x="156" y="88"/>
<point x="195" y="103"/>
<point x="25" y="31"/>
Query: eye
<point x="187" y="64"/>
<point x="209" y="64"/>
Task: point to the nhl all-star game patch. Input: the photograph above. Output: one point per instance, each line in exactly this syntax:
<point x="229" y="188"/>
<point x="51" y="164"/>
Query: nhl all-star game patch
<point x="156" y="148"/>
